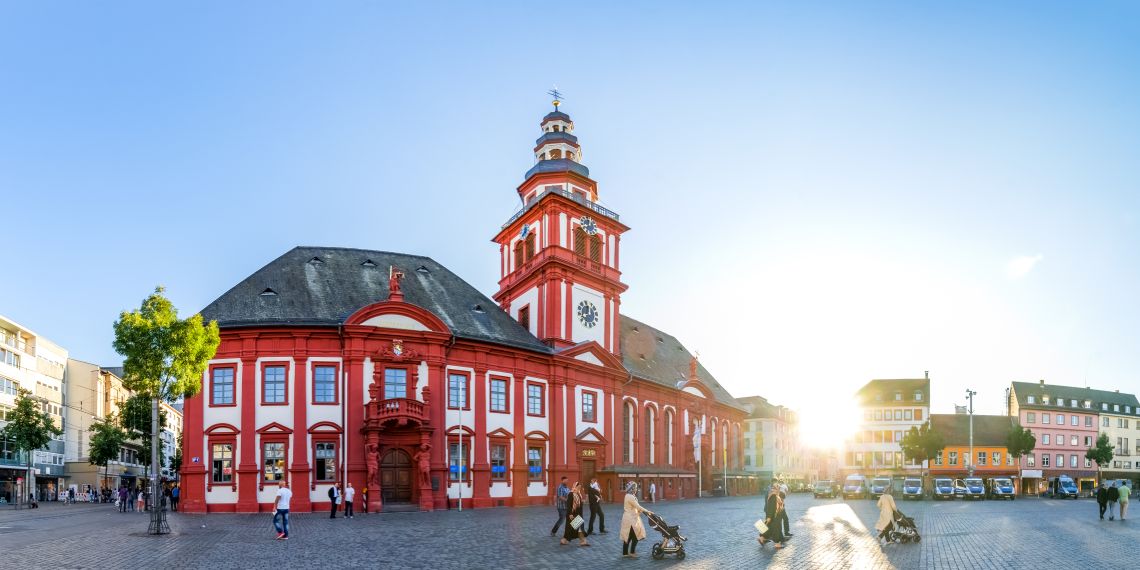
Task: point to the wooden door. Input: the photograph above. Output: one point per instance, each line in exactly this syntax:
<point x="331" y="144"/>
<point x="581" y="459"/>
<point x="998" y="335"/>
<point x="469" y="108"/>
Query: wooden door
<point x="396" y="477"/>
<point x="588" y="469"/>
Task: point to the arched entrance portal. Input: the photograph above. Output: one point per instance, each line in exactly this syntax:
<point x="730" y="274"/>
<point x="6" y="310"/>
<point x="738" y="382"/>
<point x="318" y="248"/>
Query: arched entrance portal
<point x="396" y="477"/>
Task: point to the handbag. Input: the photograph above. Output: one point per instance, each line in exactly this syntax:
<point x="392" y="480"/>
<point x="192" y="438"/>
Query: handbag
<point x="761" y="526"/>
<point x="576" y="522"/>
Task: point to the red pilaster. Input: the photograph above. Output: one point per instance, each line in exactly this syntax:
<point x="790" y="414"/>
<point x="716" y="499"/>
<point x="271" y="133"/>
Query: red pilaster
<point x="248" y="469"/>
<point x="437" y="378"/>
<point x="357" y="469"/>
<point x="194" y="473"/>
<point x="480" y="468"/>
<point x="520" y="475"/>
<point x="299" y="470"/>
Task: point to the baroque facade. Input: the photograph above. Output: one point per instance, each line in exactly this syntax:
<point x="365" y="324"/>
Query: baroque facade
<point x="389" y="372"/>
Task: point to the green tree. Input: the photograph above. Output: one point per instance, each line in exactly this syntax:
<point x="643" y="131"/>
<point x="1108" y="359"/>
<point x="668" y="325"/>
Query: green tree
<point x="107" y="439"/>
<point x="1019" y="441"/>
<point x="922" y="443"/>
<point x="1101" y="453"/>
<point x="29" y="429"/>
<point x="135" y="419"/>
<point x="164" y="359"/>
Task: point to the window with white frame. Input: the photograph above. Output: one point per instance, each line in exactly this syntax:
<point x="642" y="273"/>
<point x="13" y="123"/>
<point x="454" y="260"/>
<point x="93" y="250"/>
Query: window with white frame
<point x="1045" y="439"/>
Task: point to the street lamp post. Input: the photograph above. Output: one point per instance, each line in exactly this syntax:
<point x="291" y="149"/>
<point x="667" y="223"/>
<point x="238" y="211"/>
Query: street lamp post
<point x="970" y="394"/>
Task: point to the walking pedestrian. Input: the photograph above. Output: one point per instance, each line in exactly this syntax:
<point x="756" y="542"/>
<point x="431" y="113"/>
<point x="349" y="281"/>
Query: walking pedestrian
<point x="652" y="492"/>
<point x="574" y="502"/>
<point x="785" y="524"/>
<point x="174" y="493"/>
<point x="124" y="498"/>
<point x="70" y="495"/>
<point x="334" y="500"/>
<point x="887" y="509"/>
<point x="632" y="530"/>
<point x="560" y="503"/>
<point x="1102" y="499"/>
<point x="141" y="501"/>
<point x="281" y="503"/>
<point x="772" y="507"/>
<point x="349" y="493"/>
<point x="1113" y="497"/>
<point x="594" y="491"/>
<point x="364" y="498"/>
<point x="1125" y="491"/>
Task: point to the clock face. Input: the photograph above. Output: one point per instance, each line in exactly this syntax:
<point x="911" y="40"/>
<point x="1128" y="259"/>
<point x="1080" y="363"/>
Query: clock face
<point x="588" y="314"/>
<point x="589" y="225"/>
<point x="524" y="231"/>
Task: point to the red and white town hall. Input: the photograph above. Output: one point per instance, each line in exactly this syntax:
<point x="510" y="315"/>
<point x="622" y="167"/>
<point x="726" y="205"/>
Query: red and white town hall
<point x="369" y="367"/>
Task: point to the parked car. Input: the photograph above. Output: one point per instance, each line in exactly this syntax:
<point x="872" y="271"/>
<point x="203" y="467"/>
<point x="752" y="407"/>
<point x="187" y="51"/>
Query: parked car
<point x="912" y="489"/>
<point x="975" y="488"/>
<point x="879" y="485"/>
<point x="1062" y="487"/>
<point x="855" y="487"/>
<point x="1000" y="488"/>
<point x="826" y="488"/>
<point x="943" y="489"/>
<point x="959" y="489"/>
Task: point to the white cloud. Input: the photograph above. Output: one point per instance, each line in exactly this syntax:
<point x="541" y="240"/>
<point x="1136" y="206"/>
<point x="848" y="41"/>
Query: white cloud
<point x="1022" y="265"/>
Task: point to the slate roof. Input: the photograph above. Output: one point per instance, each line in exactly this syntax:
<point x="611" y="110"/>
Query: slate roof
<point x="558" y="165"/>
<point x="988" y="430"/>
<point x="761" y="408"/>
<point x="556" y="136"/>
<point x="659" y="357"/>
<point x="1069" y="393"/>
<point x="116" y="370"/>
<point x="554" y="116"/>
<point x="885" y="391"/>
<point x="326" y="292"/>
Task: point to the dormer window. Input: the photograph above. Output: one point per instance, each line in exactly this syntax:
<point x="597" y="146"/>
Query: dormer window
<point x="898" y="396"/>
<point x="1104" y="406"/>
<point x="918" y="395"/>
<point x="1031" y="399"/>
<point x="1045" y="400"/>
<point x="1073" y="403"/>
<point x="1088" y="404"/>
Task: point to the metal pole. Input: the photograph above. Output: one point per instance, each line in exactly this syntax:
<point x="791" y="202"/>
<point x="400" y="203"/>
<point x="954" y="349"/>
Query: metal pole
<point x="970" y="394"/>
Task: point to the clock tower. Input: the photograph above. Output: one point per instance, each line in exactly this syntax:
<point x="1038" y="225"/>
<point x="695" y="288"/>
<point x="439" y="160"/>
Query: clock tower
<point x="559" y="262"/>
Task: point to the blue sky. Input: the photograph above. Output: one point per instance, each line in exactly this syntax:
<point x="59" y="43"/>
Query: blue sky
<point x="819" y="193"/>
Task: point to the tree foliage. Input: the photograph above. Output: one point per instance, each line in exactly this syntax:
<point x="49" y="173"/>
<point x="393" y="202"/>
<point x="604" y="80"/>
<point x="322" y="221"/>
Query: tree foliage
<point x="29" y="428"/>
<point x="164" y="356"/>
<point x="107" y="438"/>
<point x="1019" y="441"/>
<point x="1101" y="453"/>
<point x="922" y="443"/>
<point x="134" y="418"/>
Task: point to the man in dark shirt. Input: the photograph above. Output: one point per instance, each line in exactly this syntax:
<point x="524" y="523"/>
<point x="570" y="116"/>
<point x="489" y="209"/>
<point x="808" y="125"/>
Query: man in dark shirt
<point x="595" y="493"/>
<point x="1113" y="496"/>
<point x="560" y="503"/>
<point x="1102" y="499"/>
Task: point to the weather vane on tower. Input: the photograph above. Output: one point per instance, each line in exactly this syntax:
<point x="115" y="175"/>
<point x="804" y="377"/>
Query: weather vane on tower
<point x="557" y="97"/>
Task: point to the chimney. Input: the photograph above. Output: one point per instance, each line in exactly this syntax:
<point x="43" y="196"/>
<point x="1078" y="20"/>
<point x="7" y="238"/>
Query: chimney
<point x="927" y="374"/>
<point x="1042" y="382"/>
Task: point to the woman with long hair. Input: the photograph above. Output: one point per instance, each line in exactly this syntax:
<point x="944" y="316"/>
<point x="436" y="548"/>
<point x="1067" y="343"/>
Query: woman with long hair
<point x="574" y="504"/>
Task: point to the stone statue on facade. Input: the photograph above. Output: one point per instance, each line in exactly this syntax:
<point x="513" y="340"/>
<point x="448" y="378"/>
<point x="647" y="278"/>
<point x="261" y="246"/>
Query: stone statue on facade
<point x="423" y="463"/>
<point x="372" y="455"/>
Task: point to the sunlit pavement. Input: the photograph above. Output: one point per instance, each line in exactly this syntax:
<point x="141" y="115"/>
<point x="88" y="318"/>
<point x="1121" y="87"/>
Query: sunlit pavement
<point x="1029" y="533"/>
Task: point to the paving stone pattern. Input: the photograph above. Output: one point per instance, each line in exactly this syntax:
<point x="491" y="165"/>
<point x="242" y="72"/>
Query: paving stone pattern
<point x="829" y="533"/>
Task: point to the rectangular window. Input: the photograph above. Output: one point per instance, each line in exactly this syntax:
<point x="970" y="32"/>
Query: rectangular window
<point x="1088" y="421"/>
<point x="1088" y="462"/>
<point x="325" y="466"/>
<point x="898" y="436"/>
<point x="274" y="456"/>
<point x="498" y="395"/>
<point x="1075" y="420"/>
<point x="457" y="391"/>
<point x="878" y="415"/>
<point x="1030" y="418"/>
<point x="222" y="457"/>
<point x="917" y="395"/>
<point x="953" y="458"/>
<point x="898" y="396"/>
<point x="1088" y="441"/>
<point x="534" y="463"/>
<point x="534" y="400"/>
<point x="589" y="411"/>
<point x="1060" y="419"/>
<point x="1030" y="399"/>
<point x="273" y="385"/>
<point x="938" y="458"/>
<point x="1060" y="460"/>
<point x="1060" y="439"/>
<point x="981" y="458"/>
<point x="524" y="317"/>
<point x="1045" y="439"/>
<point x="457" y="461"/>
<point x="1031" y="459"/>
<point x="918" y="415"/>
<point x="908" y="415"/>
<point x="1045" y="418"/>
<point x="222" y="387"/>
<point x="498" y="462"/>
<point x="1073" y="440"/>
<point x="1072" y="461"/>
<point x="1072" y="403"/>
<point x="324" y="384"/>
<point x="1104" y="422"/>
<point x="395" y="383"/>
<point x="898" y="415"/>
<point x="996" y="459"/>
<point x="1116" y="407"/>
<point x="1045" y="459"/>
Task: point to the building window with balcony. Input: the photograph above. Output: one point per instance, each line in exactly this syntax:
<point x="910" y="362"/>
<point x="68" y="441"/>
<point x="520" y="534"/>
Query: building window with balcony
<point x="273" y="387"/>
<point x="457" y="391"/>
<point x="324" y="384"/>
<point x="222" y="387"/>
<point x="535" y="406"/>
<point x="499" y="395"/>
<point x="222" y="460"/>
<point x="325" y="462"/>
<point x="953" y="458"/>
<point x="273" y="454"/>
<point x="534" y="463"/>
<point x="395" y="383"/>
<point x="589" y="410"/>
<point x="498" y="462"/>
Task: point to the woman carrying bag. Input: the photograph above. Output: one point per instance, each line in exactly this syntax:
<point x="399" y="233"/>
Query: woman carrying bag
<point x="574" y="520"/>
<point x="631" y="528"/>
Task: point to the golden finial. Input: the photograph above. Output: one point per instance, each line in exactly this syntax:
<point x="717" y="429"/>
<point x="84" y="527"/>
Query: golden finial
<point x="557" y="97"/>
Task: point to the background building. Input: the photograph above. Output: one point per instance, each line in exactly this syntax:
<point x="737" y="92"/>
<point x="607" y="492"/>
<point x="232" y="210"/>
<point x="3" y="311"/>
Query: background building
<point x="1064" y="420"/>
<point x="772" y="447"/>
<point x="989" y="457"/>
<point x="95" y="394"/>
<point x="170" y="436"/>
<point x="1120" y="420"/>
<point x="34" y="363"/>
<point x="889" y="409"/>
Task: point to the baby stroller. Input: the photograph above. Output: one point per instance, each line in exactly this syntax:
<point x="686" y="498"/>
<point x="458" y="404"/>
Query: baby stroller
<point x="904" y="530"/>
<point x="672" y="541"/>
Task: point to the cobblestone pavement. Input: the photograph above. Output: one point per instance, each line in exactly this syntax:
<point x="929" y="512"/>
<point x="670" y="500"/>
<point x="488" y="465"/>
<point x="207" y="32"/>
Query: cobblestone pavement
<point x="1028" y="533"/>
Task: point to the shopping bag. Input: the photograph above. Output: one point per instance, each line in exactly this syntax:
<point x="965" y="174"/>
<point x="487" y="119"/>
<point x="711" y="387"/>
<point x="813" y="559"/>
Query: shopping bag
<point x="761" y="526"/>
<point x="576" y="522"/>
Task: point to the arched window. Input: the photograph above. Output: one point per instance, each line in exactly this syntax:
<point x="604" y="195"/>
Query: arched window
<point x="555" y="154"/>
<point x="650" y="421"/>
<point x="580" y="239"/>
<point x="669" y="437"/>
<point x="518" y="254"/>
<point x="529" y="246"/>
<point x="712" y="443"/>
<point x="627" y="433"/>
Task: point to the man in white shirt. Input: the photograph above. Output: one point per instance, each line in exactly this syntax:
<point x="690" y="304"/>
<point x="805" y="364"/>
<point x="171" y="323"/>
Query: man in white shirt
<point x="349" y="493"/>
<point x="653" y="492"/>
<point x="281" y="503"/>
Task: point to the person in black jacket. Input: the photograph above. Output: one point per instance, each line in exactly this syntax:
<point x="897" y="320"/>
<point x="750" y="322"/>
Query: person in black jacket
<point x="772" y="509"/>
<point x="1102" y="499"/>
<point x="593" y="490"/>
<point x="1113" y="497"/>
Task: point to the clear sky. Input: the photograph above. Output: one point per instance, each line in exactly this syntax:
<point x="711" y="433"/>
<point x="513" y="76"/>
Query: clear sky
<point x="819" y="193"/>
